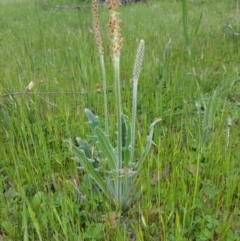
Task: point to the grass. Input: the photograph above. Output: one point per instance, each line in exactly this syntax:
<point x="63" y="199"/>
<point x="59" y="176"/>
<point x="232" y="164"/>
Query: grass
<point x="190" y="181"/>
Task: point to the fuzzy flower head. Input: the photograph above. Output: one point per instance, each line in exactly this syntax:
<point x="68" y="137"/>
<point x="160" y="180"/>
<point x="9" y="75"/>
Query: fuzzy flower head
<point x="96" y="27"/>
<point x="114" y="27"/>
<point x="139" y="59"/>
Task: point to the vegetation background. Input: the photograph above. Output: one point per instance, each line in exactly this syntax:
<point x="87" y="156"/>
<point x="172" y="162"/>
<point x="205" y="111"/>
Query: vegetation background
<point x="49" y="72"/>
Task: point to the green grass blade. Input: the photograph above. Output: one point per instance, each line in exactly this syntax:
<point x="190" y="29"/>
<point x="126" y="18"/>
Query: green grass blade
<point x="185" y="21"/>
<point x="198" y="24"/>
<point x="149" y="143"/>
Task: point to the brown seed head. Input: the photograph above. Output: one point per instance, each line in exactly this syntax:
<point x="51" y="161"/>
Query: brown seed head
<point x="114" y="28"/>
<point x="96" y="27"/>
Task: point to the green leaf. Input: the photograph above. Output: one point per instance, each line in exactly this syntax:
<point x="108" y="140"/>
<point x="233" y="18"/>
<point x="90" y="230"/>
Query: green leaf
<point x="123" y="130"/>
<point x="198" y="24"/>
<point x="83" y="145"/>
<point x="8" y="227"/>
<point x="94" y="232"/>
<point x="106" y="148"/>
<point x="127" y="150"/>
<point x="93" y="120"/>
<point x="88" y="167"/>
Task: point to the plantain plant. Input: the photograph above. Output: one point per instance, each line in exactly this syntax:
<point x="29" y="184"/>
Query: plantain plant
<point x="113" y="168"/>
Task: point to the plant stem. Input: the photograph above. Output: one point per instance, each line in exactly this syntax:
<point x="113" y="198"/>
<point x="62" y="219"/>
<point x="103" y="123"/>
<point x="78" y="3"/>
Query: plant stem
<point x="104" y="93"/>
<point x="237" y="16"/>
<point x="134" y="114"/>
<point x="116" y="62"/>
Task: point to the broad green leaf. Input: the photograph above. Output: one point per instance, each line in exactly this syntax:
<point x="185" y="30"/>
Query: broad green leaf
<point x="106" y="148"/>
<point x="123" y="130"/>
<point x="88" y="167"/>
<point x="77" y="160"/>
<point x="93" y="120"/>
<point x="83" y="145"/>
<point x="128" y="133"/>
<point x="127" y="154"/>
<point x="127" y="150"/>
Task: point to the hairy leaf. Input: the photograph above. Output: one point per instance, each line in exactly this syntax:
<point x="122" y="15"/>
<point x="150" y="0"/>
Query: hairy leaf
<point x="94" y="174"/>
<point x="106" y="148"/>
<point x="93" y="120"/>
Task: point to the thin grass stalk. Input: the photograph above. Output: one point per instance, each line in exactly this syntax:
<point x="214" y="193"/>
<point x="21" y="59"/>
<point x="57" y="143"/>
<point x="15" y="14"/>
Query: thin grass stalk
<point x="237" y="16"/>
<point x="104" y="93"/>
<point x="97" y="34"/>
<point x="134" y="116"/>
<point x="189" y="49"/>
<point x="189" y="45"/>
<point x="185" y="26"/>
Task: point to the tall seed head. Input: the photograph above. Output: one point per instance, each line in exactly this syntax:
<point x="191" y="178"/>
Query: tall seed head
<point x="96" y="27"/>
<point x="139" y="59"/>
<point x="115" y="30"/>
